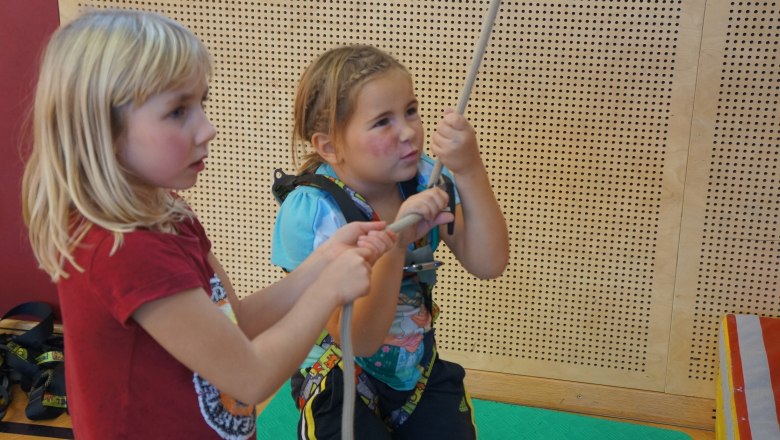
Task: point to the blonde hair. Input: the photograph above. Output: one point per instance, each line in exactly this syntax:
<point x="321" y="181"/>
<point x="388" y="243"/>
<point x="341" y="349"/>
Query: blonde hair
<point x="92" y="70"/>
<point x="326" y="96"/>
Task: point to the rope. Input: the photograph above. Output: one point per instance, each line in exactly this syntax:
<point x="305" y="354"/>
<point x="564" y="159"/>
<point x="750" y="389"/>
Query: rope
<point x="348" y="358"/>
<point x="348" y="411"/>
<point x="479" y="52"/>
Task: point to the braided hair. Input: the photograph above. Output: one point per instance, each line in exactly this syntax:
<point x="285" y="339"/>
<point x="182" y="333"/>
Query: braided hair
<point x="326" y="96"/>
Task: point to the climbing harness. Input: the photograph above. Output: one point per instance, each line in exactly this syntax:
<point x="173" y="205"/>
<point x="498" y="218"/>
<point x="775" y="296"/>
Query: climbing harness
<point x="419" y="266"/>
<point x="314" y="376"/>
<point x="35" y="360"/>
<point x="353" y="206"/>
<point x="418" y="262"/>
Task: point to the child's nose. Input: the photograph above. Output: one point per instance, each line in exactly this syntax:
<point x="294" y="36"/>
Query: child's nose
<point x="206" y="130"/>
<point x="407" y="131"/>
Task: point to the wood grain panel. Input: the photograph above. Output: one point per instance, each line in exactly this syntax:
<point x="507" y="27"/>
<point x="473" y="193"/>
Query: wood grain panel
<point x="729" y="253"/>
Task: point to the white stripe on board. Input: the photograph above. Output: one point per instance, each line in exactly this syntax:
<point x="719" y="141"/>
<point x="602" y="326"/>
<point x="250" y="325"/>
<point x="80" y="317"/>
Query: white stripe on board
<point x="762" y="414"/>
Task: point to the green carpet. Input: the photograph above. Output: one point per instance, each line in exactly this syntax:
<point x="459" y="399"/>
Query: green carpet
<point x="494" y="421"/>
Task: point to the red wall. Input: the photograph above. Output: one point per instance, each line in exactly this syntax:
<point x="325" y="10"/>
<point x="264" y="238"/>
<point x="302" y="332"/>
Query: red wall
<point x="25" y="25"/>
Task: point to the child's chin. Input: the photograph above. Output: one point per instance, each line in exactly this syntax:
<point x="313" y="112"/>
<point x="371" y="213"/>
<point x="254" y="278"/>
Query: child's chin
<point x="407" y="174"/>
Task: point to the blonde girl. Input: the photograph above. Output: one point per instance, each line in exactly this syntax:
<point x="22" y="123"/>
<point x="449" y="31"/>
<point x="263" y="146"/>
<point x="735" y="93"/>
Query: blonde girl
<point x="357" y="121"/>
<point x="158" y="344"/>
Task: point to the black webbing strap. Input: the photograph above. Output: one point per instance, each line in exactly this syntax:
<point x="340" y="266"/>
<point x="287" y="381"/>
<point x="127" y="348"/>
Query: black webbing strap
<point x="284" y="184"/>
<point x="36" y="357"/>
<point x="36" y="335"/>
<point x="449" y="186"/>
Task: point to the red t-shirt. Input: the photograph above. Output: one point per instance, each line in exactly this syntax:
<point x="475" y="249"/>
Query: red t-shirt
<point x="121" y="384"/>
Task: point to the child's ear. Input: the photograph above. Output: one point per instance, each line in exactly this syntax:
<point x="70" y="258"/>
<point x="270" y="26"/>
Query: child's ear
<point x="323" y="144"/>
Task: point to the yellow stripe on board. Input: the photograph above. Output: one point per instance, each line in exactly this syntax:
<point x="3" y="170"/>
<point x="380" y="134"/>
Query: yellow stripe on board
<point x="729" y="375"/>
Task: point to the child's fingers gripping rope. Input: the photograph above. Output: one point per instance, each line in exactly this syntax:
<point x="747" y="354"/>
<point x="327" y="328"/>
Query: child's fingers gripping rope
<point x="350" y="273"/>
<point x="425" y="209"/>
<point x="377" y="242"/>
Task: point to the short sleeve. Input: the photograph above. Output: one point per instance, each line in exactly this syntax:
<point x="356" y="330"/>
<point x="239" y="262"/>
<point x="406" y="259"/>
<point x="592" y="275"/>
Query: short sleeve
<point x="306" y="219"/>
<point x="147" y="266"/>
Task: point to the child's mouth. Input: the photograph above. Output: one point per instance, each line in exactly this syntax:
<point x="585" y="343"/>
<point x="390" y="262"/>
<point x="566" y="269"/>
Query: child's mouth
<point x="410" y="156"/>
<point x="199" y="165"/>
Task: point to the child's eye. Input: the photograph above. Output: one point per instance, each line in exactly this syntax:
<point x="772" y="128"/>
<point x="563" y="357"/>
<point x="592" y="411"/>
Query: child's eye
<point x="411" y="111"/>
<point x="382" y="122"/>
<point x="178" y="112"/>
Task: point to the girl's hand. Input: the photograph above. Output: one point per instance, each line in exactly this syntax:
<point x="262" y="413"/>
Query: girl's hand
<point x="429" y="205"/>
<point x="455" y="143"/>
<point x="377" y="243"/>
<point x="348" y="276"/>
<point x="347" y="237"/>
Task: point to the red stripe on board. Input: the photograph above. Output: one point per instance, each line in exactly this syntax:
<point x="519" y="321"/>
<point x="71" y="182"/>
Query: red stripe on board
<point x="770" y="329"/>
<point x="738" y="380"/>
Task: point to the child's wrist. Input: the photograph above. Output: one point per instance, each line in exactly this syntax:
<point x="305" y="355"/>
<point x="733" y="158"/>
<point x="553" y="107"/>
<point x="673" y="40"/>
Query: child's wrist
<point x="475" y="169"/>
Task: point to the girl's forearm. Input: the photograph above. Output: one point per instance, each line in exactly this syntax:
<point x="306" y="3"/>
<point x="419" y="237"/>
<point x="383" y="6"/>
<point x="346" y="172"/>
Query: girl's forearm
<point x="284" y="345"/>
<point x="482" y="243"/>
<point x="263" y="308"/>
<point x="373" y="314"/>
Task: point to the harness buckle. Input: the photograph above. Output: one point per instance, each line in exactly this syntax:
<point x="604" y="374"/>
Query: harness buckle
<point x="419" y="267"/>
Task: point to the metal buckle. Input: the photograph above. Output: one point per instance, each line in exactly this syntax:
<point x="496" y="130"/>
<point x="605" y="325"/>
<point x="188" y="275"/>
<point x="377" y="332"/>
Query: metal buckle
<point x="419" y="267"/>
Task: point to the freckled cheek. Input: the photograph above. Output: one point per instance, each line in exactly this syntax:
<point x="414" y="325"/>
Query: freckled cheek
<point x="380" y="147"/>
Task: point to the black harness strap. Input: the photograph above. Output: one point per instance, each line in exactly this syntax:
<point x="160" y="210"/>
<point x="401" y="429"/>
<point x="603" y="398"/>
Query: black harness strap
<point x="36" y="359"/>
<point x="449" y="186"/>
<point x="284" y="184"/>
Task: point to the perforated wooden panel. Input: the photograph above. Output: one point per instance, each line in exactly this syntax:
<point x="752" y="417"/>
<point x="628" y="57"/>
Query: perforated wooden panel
<point x="730" y="253"/>
<point x="583" y="110"/>
<point x="575" y="104"/>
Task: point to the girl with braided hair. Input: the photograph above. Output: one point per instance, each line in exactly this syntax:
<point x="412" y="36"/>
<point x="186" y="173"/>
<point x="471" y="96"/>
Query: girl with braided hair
<point x="358" y="127"/>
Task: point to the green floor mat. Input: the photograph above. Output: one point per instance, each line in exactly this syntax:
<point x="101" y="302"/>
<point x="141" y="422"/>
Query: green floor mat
<point x="495" y="421"/>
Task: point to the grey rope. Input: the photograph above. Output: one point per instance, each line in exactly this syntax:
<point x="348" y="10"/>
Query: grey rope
<point x="348" y="411"/>
<point x="479" y="52"/>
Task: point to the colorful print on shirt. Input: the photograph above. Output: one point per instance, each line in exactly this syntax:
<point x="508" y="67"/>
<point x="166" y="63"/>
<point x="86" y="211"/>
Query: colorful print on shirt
<point x="227" y="416"/>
